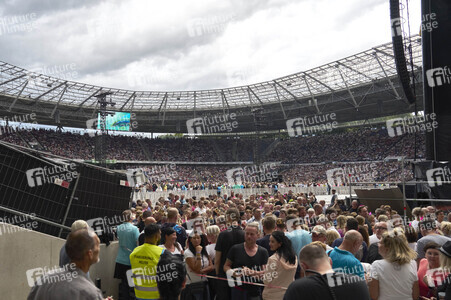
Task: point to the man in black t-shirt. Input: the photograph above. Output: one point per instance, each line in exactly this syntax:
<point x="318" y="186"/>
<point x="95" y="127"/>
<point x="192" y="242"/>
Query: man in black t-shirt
<point x="246" y="262"/>
<point x="321" y="281"/>
<point x="226" y="239"/>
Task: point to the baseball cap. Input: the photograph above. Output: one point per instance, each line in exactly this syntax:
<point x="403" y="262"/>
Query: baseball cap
<point x="318" y="229"/>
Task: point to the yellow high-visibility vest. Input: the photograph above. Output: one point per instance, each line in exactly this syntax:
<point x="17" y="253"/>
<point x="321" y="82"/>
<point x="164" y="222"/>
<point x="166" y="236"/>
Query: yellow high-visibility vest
<point x="144" y="260"/>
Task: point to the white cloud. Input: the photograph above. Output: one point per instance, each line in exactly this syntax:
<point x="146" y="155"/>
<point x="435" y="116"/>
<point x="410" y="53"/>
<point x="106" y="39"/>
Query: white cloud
<point x="192" y="44"/>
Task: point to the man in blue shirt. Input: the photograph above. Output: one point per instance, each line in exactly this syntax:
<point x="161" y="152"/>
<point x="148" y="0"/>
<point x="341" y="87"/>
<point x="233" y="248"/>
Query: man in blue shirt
<point x="343" y="259"/>
<point x="298" y="237"/>
<point x="128" y="235"/>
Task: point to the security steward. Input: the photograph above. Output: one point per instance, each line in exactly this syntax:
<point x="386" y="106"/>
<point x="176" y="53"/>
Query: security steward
<point x="144" y="260"/>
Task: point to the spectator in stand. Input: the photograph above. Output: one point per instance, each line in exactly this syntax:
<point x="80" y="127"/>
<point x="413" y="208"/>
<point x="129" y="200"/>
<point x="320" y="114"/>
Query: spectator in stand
<point x="269" y="225"/>
<point x="319" y="280"/>
<point x="128" y="241"/>
<point x="226" y="239"/>
<point x="394" y="277"/>
<point x="282" y="263"/>
<point x="428" y="229"/>
<point x="343" y="256"/>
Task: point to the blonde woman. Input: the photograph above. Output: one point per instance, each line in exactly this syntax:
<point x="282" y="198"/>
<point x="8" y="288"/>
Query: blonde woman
<point x="341" y="225"/>
<point x="331" y="236"/>
<point x="395" y="276"/>
<point x="446" y="228"/>
<point x="382" y="218"/>
<point x="212" y="235"/>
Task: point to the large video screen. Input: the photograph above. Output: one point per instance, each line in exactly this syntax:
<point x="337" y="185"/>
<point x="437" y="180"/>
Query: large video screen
<point x="119" y="121"/>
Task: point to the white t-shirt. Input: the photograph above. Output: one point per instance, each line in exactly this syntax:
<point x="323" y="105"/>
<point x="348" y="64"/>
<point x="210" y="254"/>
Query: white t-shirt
<point x="373" y="239"/>
<point x="201" y="210"/>
<point x="395" y="282"/>
<point x="192" y="277"/>
<point x="211" y="252"/>
<point x="414" y="224"/>
<point x="176" y="251"/>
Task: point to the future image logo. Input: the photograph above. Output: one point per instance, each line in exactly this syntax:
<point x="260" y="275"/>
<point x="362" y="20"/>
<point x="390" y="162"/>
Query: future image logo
<point x="352" y="173"/>
<point x="40" y="276"/>
<point x="210" y="25"/>
<point x="235" y="176"/>
<point x="411" y="124"/>
<point x="438" y="176"/>
<point x="135" y="177"/>
<point x="311" y="124"/>
<point x="212" y="124"/>
<point x="266" y="172"/>
<point x="55" y="174"/>
<point x="438" y="76"/>
<point x="395" y="127"/>
<point x="232" y="280"/>
<point x="396" y="29"/>
<point x="92" y="124"/>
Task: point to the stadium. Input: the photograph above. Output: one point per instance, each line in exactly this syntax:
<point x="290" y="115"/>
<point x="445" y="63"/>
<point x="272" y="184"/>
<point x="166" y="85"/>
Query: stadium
<point x="369" y="127"/>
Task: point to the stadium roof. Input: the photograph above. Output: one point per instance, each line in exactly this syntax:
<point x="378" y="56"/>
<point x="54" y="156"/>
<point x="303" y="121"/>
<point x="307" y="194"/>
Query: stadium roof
<point x="345" y="84"/>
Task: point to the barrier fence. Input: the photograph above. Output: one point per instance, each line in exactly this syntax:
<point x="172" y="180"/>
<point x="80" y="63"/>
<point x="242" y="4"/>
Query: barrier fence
<point x="317" y="190"/>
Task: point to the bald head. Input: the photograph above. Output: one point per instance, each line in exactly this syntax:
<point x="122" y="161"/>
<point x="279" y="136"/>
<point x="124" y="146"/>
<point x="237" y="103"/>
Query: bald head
<point x="79" y="224"/>
<point x="352" y="241"/>
<point x="353" y="236"/>
<point x="312" y="254"/>
<point x="149" y="220"/>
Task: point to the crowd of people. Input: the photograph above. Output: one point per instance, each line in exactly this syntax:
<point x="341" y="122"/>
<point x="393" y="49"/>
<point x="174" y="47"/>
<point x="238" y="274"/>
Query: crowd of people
<point x="270" y="246"/>
<point x="183" y="178"/>
<point x="361" y="144"/>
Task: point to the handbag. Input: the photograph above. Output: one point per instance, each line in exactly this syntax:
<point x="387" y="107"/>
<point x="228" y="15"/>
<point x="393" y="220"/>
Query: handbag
<point x="193" y="288"/>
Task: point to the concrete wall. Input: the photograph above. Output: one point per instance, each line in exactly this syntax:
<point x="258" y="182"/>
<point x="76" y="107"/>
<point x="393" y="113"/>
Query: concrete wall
<point x="22" y="250"/>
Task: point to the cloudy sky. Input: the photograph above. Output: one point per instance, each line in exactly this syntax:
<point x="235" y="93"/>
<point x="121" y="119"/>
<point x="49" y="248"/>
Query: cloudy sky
<point x="188" y="44"/>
